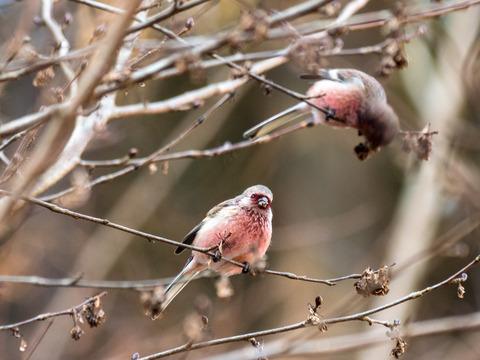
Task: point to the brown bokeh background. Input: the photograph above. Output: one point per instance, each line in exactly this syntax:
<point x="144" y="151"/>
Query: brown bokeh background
<point x="333" y="215"/>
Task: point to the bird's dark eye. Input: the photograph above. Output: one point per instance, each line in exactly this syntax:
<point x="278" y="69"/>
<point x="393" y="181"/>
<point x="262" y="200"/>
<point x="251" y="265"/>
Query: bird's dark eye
<point x="252" y="196"/>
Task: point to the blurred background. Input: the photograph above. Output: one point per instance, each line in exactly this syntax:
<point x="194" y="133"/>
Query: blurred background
<point x="333" y="214"/>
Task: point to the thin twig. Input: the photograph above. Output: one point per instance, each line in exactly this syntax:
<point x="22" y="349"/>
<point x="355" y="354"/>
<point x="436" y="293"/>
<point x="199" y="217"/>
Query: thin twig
<point x="62" y="43"/>
<point x="358" y="23"/>
<point x="76" y="215"/>
<point x="46" y="316"/>
<point x="411" y="296"/>
<point x="16" y="71"/>
<point x="14" y="138"/>
<point x="151" y="158"/>
<point x="324" y="346"/>
<point x="329" y="282"/>
<point x="172" y="10"/>
<point x="76" y="281"/>
<point x="307" y="323"/>
<point x="188" y="154"/>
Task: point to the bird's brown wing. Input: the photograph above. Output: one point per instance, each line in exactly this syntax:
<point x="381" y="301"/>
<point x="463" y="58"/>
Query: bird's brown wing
<point x="188" y="239"/>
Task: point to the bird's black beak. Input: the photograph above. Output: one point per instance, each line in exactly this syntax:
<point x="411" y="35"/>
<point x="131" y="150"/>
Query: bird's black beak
<point x="263" y="202"/>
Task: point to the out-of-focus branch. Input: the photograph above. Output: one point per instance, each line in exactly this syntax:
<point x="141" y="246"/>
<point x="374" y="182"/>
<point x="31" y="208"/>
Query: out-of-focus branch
<point x="78" y="282"/>
<point x="144" y="284"/>
<point x="62" y="44"/>
<point x="204" y="47"/>
<point x="172" y="10"/>
<point x="85" y="127"/>
<point x="99" y="5"/>
<point x="356" y="23"/>
<point x="16" y="71"/>
<point x="13" y="138"/>
<point x="207" y="46"/>
<point x="446" y="240"/>
<point x="30" y="121"/>
<point x="349" y="10"/>
<point x="179" y="102"/>
<point x="62" y="123"/>
<point x="152" y="157"/>
<point x="423" y="192"/>
<point x="188" y="154"/>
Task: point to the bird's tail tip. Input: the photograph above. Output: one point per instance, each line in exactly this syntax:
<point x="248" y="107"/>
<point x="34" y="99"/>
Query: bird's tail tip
<point x="273" y="122"/>
<point x="156" y="307"/>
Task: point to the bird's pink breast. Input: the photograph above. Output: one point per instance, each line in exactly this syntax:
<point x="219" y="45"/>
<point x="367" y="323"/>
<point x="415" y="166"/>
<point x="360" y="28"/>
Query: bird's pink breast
<point x="344" y="100"/>
<point x="249" y="240"/>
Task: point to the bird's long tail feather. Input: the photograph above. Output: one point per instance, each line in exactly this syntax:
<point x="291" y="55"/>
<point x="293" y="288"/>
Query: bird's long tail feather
<point x="273" y="122"/>
<point x="175" y="286"/>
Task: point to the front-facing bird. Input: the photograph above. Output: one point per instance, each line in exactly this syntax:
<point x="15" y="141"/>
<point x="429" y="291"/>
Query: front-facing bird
<point x="245" y="222"/>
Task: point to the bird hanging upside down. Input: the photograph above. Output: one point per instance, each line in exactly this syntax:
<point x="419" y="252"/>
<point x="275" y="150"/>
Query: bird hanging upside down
<point x="350" y="99"/>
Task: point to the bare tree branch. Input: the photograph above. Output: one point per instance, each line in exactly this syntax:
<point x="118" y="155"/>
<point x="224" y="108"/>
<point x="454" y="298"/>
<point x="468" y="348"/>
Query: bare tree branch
<point x="362" y="316"/>
<point x="42" y="317"/>
<point x="77" y="282"/>
<point x="355" y="341"/>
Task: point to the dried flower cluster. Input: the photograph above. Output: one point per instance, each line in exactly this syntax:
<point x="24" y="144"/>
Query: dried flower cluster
<point x="373" y="282"/>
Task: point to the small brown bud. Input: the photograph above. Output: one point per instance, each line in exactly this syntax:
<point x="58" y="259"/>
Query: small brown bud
<point x="68" y="18"/>
<point x="76" y="332"/>
<point x="94" y="313"/>
<point x="132" y="153"/>
<point x="399" y="348"/>
<point x="189" y="24"/>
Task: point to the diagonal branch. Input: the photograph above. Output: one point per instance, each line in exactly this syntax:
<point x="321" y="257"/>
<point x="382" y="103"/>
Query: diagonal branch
<point x="308" y="323"/>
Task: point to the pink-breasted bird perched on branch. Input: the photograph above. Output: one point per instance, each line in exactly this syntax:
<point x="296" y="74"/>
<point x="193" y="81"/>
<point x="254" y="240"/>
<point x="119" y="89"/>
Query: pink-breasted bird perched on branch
<point x="244" y="222"/>
<point x="350" y="98"/>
